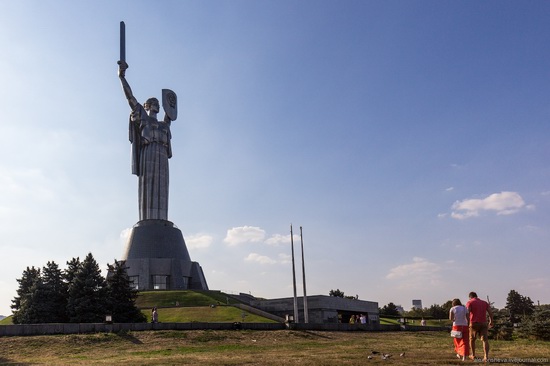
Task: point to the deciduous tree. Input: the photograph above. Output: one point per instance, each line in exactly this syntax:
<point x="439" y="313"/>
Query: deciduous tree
<point x="336" y="293"/>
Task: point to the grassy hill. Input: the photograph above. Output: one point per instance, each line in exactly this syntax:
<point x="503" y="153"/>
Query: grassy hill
<point x="388" y="321"/>
<point x="148" y="299"/>
<point x="194" y="306"/>
<point x="218" y="314"/>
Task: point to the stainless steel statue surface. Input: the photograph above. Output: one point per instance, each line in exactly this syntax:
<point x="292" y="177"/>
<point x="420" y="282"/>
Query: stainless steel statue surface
<point x="155" y="256"/>
<point x="151" y="147"/>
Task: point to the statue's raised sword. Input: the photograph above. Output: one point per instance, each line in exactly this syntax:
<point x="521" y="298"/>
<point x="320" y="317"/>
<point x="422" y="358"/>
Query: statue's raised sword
<point x="122" y="42"/>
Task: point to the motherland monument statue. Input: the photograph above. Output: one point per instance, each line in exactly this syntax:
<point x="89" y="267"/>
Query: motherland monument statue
<point x="156" y="255"/>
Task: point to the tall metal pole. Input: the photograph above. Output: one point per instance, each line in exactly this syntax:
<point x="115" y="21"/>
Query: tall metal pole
<point x="296" y="320"/>
<point x="306" y="315"/>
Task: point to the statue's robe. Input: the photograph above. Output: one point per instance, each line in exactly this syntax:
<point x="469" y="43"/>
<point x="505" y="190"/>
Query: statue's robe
<point x="151" y="150"/>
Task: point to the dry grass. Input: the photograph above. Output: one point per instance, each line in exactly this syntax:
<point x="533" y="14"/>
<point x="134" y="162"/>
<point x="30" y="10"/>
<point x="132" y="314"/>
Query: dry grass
<point x="251" y="348"/>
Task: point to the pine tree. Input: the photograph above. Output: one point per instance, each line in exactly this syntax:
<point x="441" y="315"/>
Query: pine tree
<point x="518" y="306"/>
<point x="121" y="296"/>
<point x="72" y="267"/>
<point x="20" y="303"/>
<point x="36" y="309"/>
<point x="87" y="294"/>
<point x="536" y="325"/>
<point x="55" y="289"/>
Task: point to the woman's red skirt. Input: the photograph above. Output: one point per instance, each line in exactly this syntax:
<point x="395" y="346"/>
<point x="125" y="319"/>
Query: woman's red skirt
<point x="462" y="345"/>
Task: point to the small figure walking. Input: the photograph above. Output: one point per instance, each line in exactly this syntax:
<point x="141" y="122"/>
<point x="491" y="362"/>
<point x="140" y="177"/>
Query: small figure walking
<point x="154" y="315"/>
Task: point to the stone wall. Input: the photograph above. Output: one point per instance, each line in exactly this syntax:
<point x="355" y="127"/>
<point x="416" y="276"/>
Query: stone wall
<point x="71" y="328"/>
<point x="77" y="328"/>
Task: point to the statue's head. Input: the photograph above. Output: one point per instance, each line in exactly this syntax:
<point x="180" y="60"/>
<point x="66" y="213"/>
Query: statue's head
<point x="152" y="104"/>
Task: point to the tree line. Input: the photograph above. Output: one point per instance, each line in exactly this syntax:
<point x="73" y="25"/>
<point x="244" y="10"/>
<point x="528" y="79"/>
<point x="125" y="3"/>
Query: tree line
<point x="78" y="294"/>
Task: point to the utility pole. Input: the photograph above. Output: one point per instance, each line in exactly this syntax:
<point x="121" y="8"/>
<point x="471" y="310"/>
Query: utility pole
<point x="296" y="320"/>
<point x="306" y="315"/>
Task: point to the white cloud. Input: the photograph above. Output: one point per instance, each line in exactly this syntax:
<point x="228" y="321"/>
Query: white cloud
<point x="125" y="235"/>
<point x="285" y="258"/>
<point x="199" y="241"/>
<point x="449" y="189"/>
<point x="279" y="239"/>
<point x="262" y="259"/>
<point x="416" y="275"/>
<point x="503" y="203"/>
<point x="244" y="234"/>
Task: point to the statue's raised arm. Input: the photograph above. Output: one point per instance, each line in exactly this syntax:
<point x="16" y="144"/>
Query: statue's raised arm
<point x="122" y="67"/>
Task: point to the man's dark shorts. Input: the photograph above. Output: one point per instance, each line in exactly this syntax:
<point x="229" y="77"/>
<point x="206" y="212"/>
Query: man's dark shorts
<point x="479" y="329"/>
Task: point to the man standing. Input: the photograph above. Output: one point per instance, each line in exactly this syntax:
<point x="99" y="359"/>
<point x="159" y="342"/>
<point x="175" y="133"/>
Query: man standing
<point x="478" y="310"/>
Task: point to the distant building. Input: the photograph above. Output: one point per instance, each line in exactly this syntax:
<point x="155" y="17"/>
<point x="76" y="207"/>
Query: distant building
<point x="417" y="304"/>
<point x="400" y="309"/>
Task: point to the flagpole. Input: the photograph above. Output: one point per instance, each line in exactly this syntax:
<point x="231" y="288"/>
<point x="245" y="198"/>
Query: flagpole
<point x="296" y="320"/>
<point x="306" y="315"/>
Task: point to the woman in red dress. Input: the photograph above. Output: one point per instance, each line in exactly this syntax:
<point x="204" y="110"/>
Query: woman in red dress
<point x="459" y="315"/>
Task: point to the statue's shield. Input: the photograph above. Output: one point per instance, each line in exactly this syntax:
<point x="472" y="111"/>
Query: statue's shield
<point x="170" y="103"/>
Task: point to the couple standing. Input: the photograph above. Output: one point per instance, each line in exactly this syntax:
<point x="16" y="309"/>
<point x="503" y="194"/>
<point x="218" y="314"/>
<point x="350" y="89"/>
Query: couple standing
<point x="471" y="327"/>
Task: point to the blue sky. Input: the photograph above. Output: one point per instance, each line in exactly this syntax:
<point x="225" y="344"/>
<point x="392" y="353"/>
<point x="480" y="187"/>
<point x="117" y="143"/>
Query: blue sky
<point x="409" y="139"/>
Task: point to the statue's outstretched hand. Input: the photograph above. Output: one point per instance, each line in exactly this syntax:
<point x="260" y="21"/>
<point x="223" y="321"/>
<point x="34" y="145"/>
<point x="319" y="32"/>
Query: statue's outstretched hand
<point x="122" y="66"/>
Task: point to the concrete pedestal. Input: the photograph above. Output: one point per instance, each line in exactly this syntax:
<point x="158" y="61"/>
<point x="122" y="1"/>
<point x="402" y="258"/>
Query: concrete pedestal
<point x="157" y="258"/>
